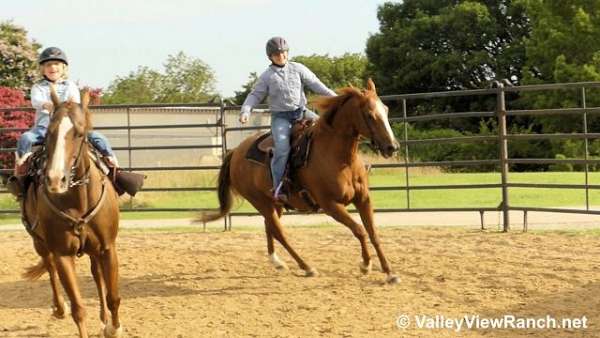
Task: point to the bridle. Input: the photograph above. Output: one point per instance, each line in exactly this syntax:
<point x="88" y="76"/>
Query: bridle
<point x="76" y="222"/>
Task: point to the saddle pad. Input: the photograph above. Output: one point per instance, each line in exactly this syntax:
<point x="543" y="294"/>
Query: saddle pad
<point x="256" y="155"/>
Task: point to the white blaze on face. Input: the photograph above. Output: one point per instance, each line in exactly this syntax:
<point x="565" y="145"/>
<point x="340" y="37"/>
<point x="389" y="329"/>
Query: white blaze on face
<point x="382" y="111"/>
<point x="58" y="158"/>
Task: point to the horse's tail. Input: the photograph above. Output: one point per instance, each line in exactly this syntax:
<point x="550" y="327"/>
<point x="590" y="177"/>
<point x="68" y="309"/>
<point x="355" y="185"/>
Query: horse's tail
<point x="36" y="271"/>
<point x="223" y="191"/>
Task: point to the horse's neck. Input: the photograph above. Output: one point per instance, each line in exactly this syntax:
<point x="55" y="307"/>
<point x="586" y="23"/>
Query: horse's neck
<point x="340" y="139"/>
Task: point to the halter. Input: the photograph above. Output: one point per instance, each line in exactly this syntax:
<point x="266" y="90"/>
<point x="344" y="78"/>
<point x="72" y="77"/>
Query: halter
<point x="373" y="145"/>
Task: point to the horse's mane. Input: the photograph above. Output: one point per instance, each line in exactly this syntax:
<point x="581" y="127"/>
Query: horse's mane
<point x="329" y="105"/>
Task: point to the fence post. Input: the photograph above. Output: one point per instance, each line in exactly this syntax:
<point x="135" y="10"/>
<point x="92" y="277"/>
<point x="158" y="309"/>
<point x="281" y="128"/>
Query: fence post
<point x="503" y="142"/>
<point x="221" y="122"/>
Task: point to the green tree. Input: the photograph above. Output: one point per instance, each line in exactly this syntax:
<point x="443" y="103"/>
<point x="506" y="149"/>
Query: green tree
<point x="141" y="86"/>
<point x="337" y="71"/>
<point x="333" y="71"/>
<point x="184" y="80"/>
<point x="425" y="45"/>
<point x="187" y="79"/>
<point x="564" y="46"/>
<point x="18" y="68"/>
<point x="240" y="96"/>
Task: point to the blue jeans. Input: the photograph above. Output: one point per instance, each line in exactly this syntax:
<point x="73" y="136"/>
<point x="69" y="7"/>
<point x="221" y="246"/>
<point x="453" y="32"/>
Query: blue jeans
<point x="37" y="134"/>
<point x="281" y="128"/>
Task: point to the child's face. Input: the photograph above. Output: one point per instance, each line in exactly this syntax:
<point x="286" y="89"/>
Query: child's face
<point x="279" y="58"/>
<point x="53" y="70"/>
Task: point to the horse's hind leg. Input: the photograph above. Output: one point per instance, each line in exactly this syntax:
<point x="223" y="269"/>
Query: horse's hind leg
<point x="275" y="230"/>
<point x="110" y="269"/>
<point x="277" y="262"/>
<point x="96" y="269"/>
<point x="339" y="213"/>
<point x="66" y="271"/>
<point x="365" y="209"/>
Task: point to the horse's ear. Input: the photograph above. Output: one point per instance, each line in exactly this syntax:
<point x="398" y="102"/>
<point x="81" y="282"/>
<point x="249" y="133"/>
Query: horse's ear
<point x="85" y="102"/>
<point x="55" y="100"/>
<point x="371" y="86"/>
<point x="350" y="85"/>
<point x="85" y="98"/>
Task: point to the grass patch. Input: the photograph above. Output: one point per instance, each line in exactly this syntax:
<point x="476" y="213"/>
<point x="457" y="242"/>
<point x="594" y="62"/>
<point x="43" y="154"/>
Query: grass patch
<point x="439" y="198"/>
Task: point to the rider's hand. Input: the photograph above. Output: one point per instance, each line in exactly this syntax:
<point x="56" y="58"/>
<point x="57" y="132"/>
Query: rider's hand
<point x="48" y="106"/>
<point x="243" y="118"/>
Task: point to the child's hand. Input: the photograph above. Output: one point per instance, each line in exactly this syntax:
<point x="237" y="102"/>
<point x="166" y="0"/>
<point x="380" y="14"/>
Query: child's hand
<point x="243" y="118"/>
<point x="48" y="106"/>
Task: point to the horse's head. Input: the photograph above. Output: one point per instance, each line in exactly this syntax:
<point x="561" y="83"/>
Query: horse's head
<point x="65" y="141"/>
<point x="364" y="112"/>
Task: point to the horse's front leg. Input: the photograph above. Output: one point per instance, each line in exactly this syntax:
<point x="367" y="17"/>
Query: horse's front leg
<point x="66" y="271"/>
<point x="340" y="214"/>
<point x="59" y="310"/>
<point x="96" y="269"/>
<point x="58" y="301"/>
<point x="110" y="269"/>
<point x="365" y="208"/>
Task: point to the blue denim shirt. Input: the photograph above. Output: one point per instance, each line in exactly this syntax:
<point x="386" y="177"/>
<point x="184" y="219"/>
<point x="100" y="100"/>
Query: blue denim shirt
<point x="285" y="88"/>
<point x="40" y="94"/>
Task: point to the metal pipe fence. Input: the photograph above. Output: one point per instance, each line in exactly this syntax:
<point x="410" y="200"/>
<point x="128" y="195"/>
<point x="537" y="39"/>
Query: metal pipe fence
<point x="222" y="129"/>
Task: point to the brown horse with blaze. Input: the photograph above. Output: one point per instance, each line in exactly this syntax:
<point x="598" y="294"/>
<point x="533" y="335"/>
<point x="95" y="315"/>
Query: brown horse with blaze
<point x="335" y="175"/>
<point x="73" y="209"/>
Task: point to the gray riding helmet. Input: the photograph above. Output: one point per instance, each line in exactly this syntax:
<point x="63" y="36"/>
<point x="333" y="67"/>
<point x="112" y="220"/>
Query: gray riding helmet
<point x="53" y="53"/>
<point x="276" y="44"/>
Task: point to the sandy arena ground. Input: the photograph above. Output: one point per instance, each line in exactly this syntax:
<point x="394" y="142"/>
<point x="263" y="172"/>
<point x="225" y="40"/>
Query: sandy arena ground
<point x="221" y="284"/>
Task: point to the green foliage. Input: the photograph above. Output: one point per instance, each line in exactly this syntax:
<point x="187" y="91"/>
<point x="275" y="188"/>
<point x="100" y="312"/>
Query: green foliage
<point x="561" y="166"/>
<point x="336" y="72"/>
<point x="184" y="80"/>
<point x="240" y="96"/>
<point x="426" y="45"/>
<point x="333" y="71"/>
<point x="18" y="68"/>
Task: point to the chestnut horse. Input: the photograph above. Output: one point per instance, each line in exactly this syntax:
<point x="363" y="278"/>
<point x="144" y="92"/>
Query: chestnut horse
<point x="73" y="209"/>
<point x="335" y="175"/>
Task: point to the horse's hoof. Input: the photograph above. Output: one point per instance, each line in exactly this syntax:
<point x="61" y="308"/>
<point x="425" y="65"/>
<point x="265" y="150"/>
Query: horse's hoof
<point x="109" y="331"/>
<point x="392" y="279"/>
<point x="277" y="262"/>
<point x="365" y="269"/>
<point x="61" y="313"/>
<point x="58" y="314"/>
<point x="312" y="272"/>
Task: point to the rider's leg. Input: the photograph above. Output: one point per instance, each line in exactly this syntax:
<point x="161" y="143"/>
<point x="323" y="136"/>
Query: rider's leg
<point x="101" y="143"/>
<point x="281" y="127"/>
<point x="24" y="144"/>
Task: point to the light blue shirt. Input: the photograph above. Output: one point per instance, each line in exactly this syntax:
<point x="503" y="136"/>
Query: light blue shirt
<point x="40" y="94"/>
<point x="285" y="88"/>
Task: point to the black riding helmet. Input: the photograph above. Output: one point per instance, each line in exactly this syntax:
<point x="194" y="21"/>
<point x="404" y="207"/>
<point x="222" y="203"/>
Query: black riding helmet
<point x="276" y="44"/>
<point x="53" y="53"/>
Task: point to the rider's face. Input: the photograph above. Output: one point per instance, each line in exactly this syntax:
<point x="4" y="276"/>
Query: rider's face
<point x="279" y="58"/>
<point x="53" y="69"/>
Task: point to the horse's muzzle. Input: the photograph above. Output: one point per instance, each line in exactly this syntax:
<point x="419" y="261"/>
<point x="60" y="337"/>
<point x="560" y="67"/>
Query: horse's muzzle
<point x="57" y="184"/>
<point x="389" y="150"/>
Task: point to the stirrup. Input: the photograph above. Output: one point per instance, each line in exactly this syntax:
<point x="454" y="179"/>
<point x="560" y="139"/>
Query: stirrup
<point x="14" y="185"/>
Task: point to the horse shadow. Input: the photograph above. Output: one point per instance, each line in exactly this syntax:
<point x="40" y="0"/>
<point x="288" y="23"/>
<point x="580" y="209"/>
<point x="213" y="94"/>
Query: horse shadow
<point x="37" y="294"/>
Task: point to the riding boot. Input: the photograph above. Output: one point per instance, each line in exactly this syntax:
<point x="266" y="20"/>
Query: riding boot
<point x="130" y="182"/>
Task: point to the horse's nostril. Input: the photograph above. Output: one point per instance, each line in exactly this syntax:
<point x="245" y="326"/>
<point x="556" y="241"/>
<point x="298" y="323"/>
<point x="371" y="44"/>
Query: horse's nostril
<point x="63" y="180"/>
